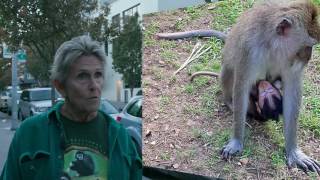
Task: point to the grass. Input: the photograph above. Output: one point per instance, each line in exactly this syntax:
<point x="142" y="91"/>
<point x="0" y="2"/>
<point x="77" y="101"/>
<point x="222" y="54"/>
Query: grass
<point x="193" y="12"/>
<point x="186" y="155"/>
<point x="165" y="156"/>
<point x="151" y="29"/>
<point x="226" y="13"/>
<point x="274" y="131"/>
<point x="164" y="100"/>
<point x="157" y="73"/>
<point x="278" y="159"/>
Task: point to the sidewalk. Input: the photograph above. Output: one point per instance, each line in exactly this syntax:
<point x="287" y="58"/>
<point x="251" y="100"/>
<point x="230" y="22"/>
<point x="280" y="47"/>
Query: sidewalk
<point x="5" y="137"/>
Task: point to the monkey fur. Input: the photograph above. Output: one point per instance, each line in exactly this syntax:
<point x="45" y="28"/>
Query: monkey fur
<point x="269" y="41"/>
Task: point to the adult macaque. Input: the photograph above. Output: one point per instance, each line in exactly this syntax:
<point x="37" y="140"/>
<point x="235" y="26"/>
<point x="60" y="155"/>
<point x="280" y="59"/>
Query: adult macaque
<point x="270" y="41"/>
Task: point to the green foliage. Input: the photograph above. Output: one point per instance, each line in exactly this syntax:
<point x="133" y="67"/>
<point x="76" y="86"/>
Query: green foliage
<point x="317" y="2"/>
<point x="148" y="34"/>
<point x="274" y="130"/>
<point x="310" y="116"/>
<point x="193" y="12"/>
<point x="42" y="25"/>
<point x="127" y="53"/>
<point x="5" y="74"/>
<point x="278" y="159"/>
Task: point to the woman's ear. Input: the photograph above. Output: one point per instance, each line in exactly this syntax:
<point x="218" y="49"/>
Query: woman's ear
<point x="60" y="87"/>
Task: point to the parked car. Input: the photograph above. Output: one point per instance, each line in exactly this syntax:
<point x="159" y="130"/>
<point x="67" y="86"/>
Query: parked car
<point x="9" y="102"/>
<point x="34" y="101"/>
<point x="5" y="98"/>
<point x="130" y="117"/>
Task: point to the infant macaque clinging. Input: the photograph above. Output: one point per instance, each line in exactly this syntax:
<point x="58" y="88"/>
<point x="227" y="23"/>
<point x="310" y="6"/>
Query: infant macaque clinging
<point x="270" y="41"/>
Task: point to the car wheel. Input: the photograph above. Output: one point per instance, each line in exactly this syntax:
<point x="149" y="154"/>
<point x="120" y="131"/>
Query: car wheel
<point x="138" y="148"/>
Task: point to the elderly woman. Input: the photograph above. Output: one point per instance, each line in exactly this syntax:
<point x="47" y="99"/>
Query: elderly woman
<point x="74" y="140"/>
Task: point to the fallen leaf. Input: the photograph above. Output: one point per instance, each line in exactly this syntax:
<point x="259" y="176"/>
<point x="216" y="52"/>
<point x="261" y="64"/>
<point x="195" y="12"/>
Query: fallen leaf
<point x="175" y="166"/>
<point x="148" y="133"/>
<point x="244" y="161"/>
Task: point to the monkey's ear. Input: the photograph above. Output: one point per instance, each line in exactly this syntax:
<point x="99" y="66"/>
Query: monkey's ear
<point x="283" y="27"/>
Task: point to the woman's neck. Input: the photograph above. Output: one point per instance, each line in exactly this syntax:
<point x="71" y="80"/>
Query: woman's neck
<point x="77" y="115"/>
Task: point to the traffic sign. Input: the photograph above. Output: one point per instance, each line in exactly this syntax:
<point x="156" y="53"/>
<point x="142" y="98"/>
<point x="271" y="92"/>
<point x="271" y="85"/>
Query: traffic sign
<point x="22" y="55"/>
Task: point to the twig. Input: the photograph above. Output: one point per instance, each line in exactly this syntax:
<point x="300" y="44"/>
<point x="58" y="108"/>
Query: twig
<point x="192" y="57"/>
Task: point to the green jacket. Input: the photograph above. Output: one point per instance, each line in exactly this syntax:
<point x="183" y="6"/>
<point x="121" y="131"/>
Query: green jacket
<point x="36" y="150"/>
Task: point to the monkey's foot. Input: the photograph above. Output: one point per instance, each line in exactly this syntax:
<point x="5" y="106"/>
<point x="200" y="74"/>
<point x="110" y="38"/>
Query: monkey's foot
<point x="302" y="161"/>
<point x="233" y="147"/>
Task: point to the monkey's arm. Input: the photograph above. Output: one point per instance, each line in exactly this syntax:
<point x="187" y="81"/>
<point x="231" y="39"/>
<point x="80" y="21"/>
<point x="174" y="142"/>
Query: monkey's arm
<point x="291" y="104"/>
<point x="206" y="73"/>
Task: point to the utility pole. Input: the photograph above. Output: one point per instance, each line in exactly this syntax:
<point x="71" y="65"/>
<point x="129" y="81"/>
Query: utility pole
<point x="14" y="115"/>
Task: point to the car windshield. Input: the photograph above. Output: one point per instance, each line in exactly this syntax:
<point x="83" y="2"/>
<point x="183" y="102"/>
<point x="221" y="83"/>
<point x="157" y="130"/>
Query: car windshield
<point x="108" y="108"/>
<point x="135" y="109"/>
<point x="40" y="95"/>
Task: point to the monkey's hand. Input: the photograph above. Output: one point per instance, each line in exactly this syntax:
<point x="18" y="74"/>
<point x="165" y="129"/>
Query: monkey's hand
<point x="233" y="147"/>
<point x="298" y="158"/>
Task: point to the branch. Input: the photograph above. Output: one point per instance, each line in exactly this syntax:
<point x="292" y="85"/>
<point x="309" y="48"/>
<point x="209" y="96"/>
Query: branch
<point x="193" y="33"/>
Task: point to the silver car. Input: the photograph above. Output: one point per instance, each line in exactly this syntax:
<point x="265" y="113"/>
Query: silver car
<point x="34" y="101"/>
<point x="131" y="118"/>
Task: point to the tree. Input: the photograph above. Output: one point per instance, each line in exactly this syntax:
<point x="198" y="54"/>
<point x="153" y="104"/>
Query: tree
<point x="127" y="53"/>
<point x="5" y="74"/>
<point x="42" y="25"/>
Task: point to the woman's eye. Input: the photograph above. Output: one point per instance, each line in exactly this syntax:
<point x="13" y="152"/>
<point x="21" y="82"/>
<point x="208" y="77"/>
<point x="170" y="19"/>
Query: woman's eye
<point x="98" y="74"/>
<point x="83" y="76"/>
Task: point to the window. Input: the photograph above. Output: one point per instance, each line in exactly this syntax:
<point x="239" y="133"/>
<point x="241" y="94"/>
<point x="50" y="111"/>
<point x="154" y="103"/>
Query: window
<point x="136" y="109"/>
<point x="116" y="23"/>
<point x="129" y="12"/>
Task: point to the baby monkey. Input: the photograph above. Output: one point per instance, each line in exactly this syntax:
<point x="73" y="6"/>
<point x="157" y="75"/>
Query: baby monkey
<point x="266" y="101"/>
<point x="265" y="98"/>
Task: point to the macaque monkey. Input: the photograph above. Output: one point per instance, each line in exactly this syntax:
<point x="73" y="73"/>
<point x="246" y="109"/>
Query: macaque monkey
<point x="270" y="41"/>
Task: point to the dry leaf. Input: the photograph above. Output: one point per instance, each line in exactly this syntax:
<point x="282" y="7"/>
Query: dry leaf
<point x="148" y="133"/>
<point x="176" y="166"/>
<point x="244" y="161"/>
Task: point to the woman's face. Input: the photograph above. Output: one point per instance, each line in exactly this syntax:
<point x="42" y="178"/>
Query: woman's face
<point x="84" y="83"/>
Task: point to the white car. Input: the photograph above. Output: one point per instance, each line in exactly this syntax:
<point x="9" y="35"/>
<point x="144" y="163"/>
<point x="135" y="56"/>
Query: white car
<point x="34" y="101"/>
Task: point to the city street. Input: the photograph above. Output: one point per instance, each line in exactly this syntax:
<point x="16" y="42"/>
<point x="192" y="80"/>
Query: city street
<point x="5" y="137"/>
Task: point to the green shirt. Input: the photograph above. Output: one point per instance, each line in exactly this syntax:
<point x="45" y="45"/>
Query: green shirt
<point x="85" y="154"/>
<point x="37" y="150"/>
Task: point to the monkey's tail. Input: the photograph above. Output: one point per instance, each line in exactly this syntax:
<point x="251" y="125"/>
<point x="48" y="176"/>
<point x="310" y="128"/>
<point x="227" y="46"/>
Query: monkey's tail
<point x="206" y="73"/>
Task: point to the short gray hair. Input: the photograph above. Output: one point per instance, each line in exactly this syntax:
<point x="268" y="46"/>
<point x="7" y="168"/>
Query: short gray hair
<point x="72" y="50"/>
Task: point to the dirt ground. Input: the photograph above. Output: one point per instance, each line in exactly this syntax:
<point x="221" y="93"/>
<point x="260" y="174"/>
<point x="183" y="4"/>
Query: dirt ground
<point x="185" y="131"/>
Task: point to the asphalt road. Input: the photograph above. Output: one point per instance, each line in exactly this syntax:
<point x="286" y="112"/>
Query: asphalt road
<point x="6" y="135"/>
